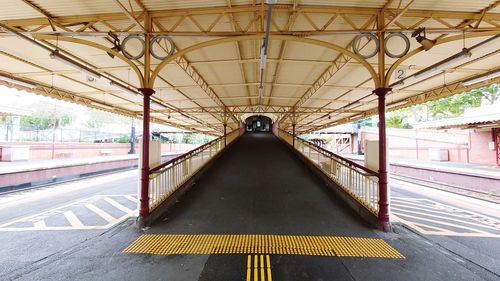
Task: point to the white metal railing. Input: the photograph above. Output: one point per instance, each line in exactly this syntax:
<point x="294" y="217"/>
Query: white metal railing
<point x="358" y="181"/>
<point x="168" y="177"/>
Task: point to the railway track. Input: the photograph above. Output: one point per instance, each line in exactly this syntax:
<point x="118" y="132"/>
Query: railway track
<point x="464" y="191"/>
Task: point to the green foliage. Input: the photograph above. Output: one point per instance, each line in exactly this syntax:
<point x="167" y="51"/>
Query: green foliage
<point x="455" y="106"/>
<point x="489" y="93"/>
<point x="329" y="139"/>
<point x="195" y="138"/>
<point x="397" y="120"/>
<point x="43" y="119"/>
<point x="5" y="121"/>
<point x="188" y="138"/>
<point x="97" y="118"/>
<point x="122" y="139"/>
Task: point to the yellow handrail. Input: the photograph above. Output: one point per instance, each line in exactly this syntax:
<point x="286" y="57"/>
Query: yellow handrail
<point x="359" y="182"/>
<point x="167" y="178"/>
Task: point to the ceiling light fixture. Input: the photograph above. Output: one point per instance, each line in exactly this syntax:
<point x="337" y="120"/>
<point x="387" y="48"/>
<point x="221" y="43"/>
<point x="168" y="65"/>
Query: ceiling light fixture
<point x="450" y="62"/>
<point x="123" y="88"/>
<point x="483" y="77"/>
<point x="397" y="85"/>
<point x="68" y="61"/>
<point x="265" y="45"/>
<point x="352" y="105"/>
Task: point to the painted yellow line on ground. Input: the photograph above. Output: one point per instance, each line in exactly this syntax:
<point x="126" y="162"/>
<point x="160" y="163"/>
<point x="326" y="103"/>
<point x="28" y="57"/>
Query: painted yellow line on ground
<point x="257" y="268"/>
<point x="249" y="268"/>
<point x="268" y="267"/>
<point x="168" y="244"/>
<point x="262" y="272"/>
<point x="72" y="219"/>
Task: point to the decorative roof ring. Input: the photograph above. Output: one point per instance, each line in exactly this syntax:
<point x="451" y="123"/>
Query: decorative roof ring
<point x="405" y="39"/>
<point x="424" y="41"/>
<point x="169" y="47"/>
<point x="124" y="44"/>
<point x="370" y="37"/>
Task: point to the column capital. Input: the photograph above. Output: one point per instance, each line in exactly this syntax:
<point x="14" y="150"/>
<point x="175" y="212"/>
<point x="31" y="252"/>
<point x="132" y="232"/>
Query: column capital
<point x="382" y="91"/>
<point x="147" y="91"/>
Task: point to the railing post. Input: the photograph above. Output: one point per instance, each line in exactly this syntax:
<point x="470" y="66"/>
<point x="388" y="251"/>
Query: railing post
<point x="144" y="192"/>
<point x="225" y="134"/>
<point x="383" y="212"/>
<point x="132" y="138"/>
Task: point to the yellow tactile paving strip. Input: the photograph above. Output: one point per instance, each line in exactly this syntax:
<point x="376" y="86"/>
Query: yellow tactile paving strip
<point x="172" y="244"/>
<point x="264" y="268"/>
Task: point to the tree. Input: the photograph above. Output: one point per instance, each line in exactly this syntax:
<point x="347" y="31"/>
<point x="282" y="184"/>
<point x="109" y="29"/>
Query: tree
<point x="455" y="105"/>
<point x="397" y="120"/>
<point x="489" y="93"/>
<point x="188" y="138"/>
<point x="43" y="119"/>
<point x="97" y="118"/>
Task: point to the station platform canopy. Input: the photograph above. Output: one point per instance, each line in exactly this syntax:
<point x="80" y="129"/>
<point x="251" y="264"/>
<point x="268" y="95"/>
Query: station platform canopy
<point x="312" y="63"/>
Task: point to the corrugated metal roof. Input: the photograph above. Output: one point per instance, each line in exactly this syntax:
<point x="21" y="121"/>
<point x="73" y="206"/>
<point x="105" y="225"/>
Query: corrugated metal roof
<point x="231" y="70"/>
<point x="485" y="115"/>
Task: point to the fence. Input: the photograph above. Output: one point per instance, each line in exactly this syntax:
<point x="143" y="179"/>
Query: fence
<point x="359" y="182"/>
<point x="62" y="135"/>
<point x="168" y="177"/>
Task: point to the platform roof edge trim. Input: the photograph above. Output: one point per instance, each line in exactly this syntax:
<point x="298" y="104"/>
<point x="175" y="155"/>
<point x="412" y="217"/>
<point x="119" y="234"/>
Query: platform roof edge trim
<point x="477" y="121"/>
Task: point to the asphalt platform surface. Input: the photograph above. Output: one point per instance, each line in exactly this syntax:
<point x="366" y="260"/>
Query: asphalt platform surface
<point x="258" y="186"/>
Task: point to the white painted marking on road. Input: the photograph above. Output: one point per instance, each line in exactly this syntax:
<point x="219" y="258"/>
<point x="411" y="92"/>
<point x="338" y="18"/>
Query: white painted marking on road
<point x="73" y="220"/>
<point x="444" y="217"/>
<point x="131" y="198"/>
<point x="40" y="224"/>
<point x="33" y="195"/>
<point x="451" y="198"/>
<point x="445" y="223"/>
<point x="101" y="213"/>
<point x="434" y="218"/>
<point x="37" y="223"/>
<point x="118" y="205"/>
